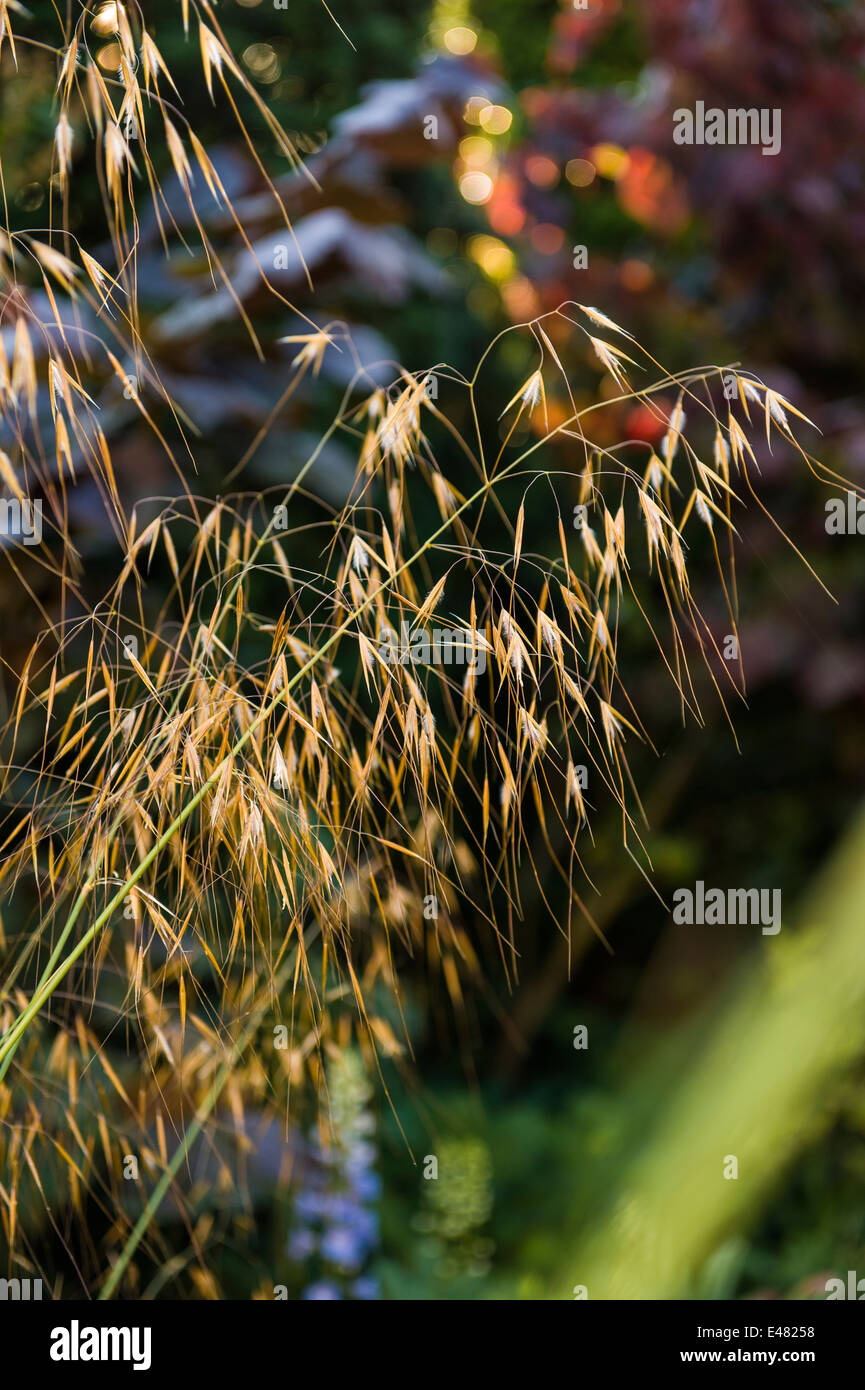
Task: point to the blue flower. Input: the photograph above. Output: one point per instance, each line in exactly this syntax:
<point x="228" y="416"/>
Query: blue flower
<point x="321" y="1291"/>
<point x="344" y="1246"/>
<point x="365" y="1287"/>
<point x="334" y="1209"/>
<point x="312" y="1206"/>
<point x="301" y="1244"/>
<point x="364" y="1183"/>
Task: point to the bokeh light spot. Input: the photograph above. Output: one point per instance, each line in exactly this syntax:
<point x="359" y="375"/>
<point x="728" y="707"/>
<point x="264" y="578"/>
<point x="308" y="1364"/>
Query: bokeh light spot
<point x="580" y="172"/>
<point x="262" y="62"/>
<point x="541" y="171"/>
<point x="107" y="19"/>
<point x="109" y="56"/>
<point x="611" y="161"/>
<point x="547" y="238"/>
<point x="476" y="151"/>
<point x="636" y="275"/>
<point x="476" y="187"/>
<point x="494" y="258"/>
<point x="460" y="40"/>
<point x="496" y="119"/>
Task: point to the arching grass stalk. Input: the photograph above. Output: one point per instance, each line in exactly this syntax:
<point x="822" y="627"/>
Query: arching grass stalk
<point x="44" y="991"/>
<point x="570" y="426"/>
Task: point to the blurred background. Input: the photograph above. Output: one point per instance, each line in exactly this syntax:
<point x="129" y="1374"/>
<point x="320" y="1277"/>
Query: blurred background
<point x="478" y="165"/>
